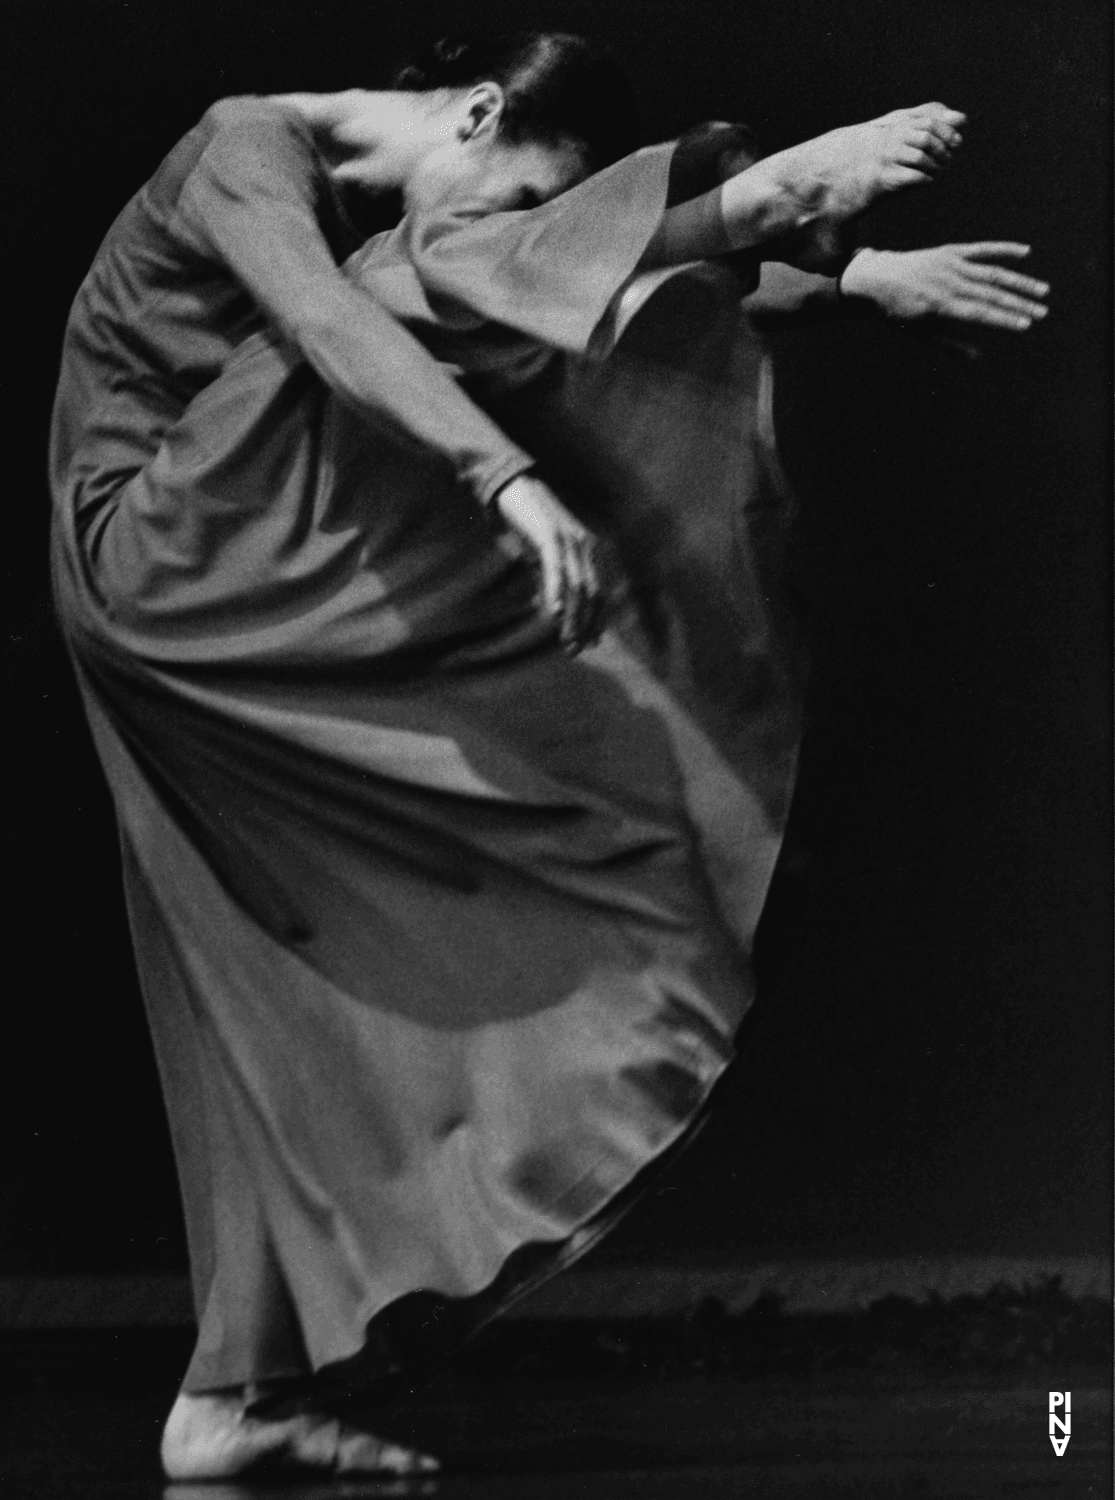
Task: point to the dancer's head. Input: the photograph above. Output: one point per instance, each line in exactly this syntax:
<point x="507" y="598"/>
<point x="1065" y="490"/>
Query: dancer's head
<point x="507" y="121"/>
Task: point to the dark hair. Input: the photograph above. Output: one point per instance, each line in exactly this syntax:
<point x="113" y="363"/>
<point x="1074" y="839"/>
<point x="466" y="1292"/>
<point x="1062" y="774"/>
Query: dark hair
<point x="557" y="87"/>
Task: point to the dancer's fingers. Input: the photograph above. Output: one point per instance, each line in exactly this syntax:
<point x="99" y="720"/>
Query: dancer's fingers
<point x="553" y="585"/>
<point x="593" y="622"/>
<point x="536" y="515"/>
<point x="573" y="603"/>
<point x="1012" y="280"/>
<point x="995" y="296"/>
<point x="586" y="615"/>
<point x="972" y="311"/>
<point x="995" y="250"/>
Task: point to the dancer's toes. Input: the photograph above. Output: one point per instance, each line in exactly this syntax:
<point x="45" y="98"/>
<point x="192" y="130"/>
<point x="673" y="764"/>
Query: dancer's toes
<point x="921" y="140"/>
<point x="364" y="1453"/>
<point x="942" y="124"/>
<point x="896" y="151"/>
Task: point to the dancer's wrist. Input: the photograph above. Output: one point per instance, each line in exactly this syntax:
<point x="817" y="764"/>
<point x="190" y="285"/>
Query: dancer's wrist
<point x="514" y="467"/>
<point x="858" y="283"/>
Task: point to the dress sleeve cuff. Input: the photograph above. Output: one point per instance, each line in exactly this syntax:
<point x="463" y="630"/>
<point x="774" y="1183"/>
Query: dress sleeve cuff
<point x="549" y="272"/>
<point x="488" y="483"/>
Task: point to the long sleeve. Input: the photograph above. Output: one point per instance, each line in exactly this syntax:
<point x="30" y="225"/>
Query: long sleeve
<point x="551" y="272"/>
<point x="254" y="200"/>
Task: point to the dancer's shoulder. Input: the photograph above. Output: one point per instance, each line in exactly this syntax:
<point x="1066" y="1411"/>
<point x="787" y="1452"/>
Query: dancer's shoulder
<point x="248" y="116"/>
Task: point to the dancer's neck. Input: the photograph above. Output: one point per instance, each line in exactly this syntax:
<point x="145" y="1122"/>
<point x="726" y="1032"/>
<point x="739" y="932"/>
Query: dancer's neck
<point x="376" y="138"/>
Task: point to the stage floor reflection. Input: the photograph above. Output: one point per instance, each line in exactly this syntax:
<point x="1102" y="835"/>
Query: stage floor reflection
<point x="866" y="1436"/>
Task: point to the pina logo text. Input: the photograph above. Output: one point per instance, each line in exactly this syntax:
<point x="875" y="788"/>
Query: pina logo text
<point x="1060" y="1401"/>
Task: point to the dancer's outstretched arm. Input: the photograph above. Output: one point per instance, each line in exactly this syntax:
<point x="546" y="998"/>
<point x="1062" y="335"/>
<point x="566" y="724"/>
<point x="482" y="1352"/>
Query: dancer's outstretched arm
<point x="961" y="283"/>
<point x="807" y="192"/>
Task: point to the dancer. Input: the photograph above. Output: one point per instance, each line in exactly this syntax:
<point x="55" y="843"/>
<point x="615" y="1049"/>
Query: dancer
<point x="442" y="932"/>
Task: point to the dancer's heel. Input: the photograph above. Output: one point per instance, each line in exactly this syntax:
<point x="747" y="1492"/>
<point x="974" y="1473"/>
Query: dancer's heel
<point x="213" y="1437"/>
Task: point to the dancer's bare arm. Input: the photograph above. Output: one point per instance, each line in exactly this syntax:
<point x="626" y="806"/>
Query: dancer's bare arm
<point x="805" y="194"/>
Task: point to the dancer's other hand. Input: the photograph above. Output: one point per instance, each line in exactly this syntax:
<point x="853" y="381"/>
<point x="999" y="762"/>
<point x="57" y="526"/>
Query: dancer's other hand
<point x="570" y="588"/>
<point x="960" y="283"/>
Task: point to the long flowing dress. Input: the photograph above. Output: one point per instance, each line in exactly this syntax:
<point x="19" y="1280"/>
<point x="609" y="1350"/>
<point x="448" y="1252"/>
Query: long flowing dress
<point x="443" y="935"/>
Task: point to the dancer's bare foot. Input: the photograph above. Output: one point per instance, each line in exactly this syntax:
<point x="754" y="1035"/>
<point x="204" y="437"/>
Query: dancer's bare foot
<point x="820" y="185"/>
<point x="837" y="175"/>
<point x="213" y="1437"/>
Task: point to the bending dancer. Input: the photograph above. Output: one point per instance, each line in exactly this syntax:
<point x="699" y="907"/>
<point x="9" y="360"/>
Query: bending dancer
<point x="442" y="930"/>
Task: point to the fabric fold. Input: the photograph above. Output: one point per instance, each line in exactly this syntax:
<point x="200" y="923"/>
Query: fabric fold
<point x="444" y="936"/>
<point x="549" y="273"/>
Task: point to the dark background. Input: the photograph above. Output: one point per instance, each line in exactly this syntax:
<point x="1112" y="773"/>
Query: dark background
<point x="929" y="1066"/>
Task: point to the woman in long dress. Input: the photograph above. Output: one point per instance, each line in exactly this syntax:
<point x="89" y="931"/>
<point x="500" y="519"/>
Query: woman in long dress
<point x="442" y="929"/>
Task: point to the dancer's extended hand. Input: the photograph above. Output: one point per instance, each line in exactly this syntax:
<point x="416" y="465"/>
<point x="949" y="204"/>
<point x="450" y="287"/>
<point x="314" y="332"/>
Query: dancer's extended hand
<point x="563" y="548"/>
<point x="958" y="282"/>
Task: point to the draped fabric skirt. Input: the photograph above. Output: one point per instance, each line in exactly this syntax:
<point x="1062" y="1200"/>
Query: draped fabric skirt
<point x="443" y="935"/>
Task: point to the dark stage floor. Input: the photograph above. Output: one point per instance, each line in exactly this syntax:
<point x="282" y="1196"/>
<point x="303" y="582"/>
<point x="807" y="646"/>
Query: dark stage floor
<point x="73" y="1424"/>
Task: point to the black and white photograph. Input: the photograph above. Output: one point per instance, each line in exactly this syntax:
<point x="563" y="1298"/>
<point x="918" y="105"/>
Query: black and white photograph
<point x="558" y="652"/>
